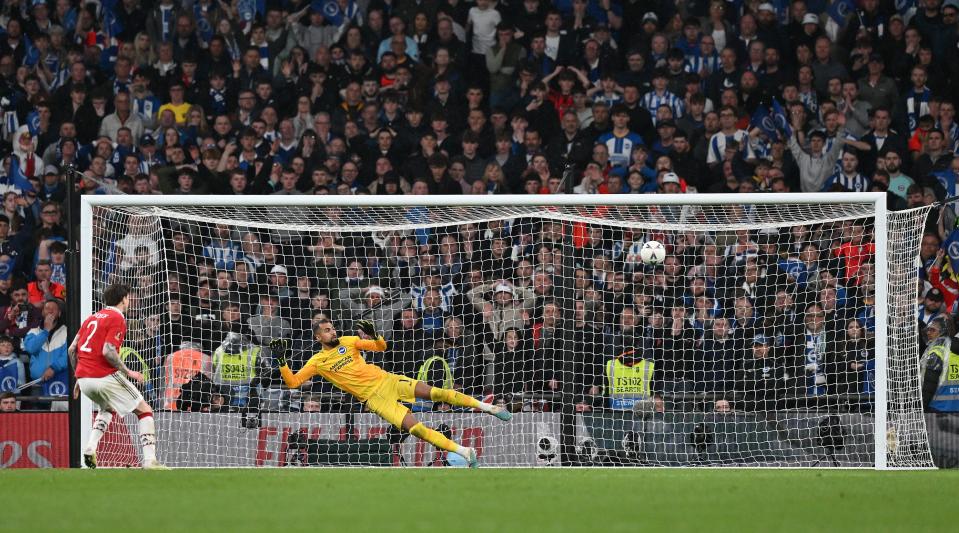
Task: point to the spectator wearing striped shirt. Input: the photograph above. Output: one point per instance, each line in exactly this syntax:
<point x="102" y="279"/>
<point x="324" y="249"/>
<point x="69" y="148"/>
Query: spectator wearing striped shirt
<point x="947" y="123"/>
<point x="145" y="104"/>
<point x="807" y="90"/>
<point x="705" y="59"/>
<point x="607" y="91"/>
<point x="848" y="179"/>
<point x="728" y="132"/>
<point x="423" y="294"/>
<point x="621" y="140"/>
<point x="917" y="97"/>
<point x="660" y="96"/>
<point x="222" y="249"/>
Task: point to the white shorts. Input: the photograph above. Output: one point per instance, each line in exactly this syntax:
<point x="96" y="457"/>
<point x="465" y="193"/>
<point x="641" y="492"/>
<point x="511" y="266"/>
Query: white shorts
<point x="111" y="393"/>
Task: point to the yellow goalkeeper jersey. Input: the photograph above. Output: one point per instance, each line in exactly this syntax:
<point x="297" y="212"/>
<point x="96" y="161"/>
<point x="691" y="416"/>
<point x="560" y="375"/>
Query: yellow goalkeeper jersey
<point x="342" y="366"/>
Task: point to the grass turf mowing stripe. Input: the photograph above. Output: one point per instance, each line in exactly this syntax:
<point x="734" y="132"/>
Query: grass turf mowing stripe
<point x="458" y="500"/>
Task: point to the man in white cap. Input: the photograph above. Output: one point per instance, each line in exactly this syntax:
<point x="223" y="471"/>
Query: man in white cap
<point x="502" y="305"/>
<point x="770" y="31"/>
<point x="651" y="18"/>
<point x="808" y="31"/>
<point x="279" y="282"/>
<point x="811" y="18"/>
<point x="671" y="183"/>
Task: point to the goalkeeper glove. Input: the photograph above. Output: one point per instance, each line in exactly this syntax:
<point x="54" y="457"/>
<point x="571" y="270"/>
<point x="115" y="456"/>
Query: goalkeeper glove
<point x="366" y="326"/>
<point x="278" y="349"/>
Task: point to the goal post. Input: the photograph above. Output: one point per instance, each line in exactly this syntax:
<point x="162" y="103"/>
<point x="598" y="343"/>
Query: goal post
<point x="882" y="329"/>
<point x="535" y="302"/>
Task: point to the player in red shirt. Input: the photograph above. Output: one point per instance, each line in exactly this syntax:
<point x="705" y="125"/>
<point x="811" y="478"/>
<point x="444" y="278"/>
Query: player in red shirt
<point x="102" y="376"/>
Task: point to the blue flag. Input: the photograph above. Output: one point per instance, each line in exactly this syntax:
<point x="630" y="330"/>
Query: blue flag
<point x="903" y="6"/>
<point x="6" y="269"/>
<point x="111" y="23"/>
<point x="782" y="11"/>
<point x="33" y="122"/>
<point x="764" y="121"/>
<point x="948" y="181"/>
<point x="247" y="10"/>
<point x="109" y="265"/>
<point x="204" y="27"/>
<point x="332" y="12"/>
<point x="69" y="21"/>
<point x="55" y="386"/>
<point x="780" y="119"/>
<point x="17" y="178"/>
<point x="11" y="375"/>
<point x="795" y="269"/>
<point x="840" y="9"/>
<point x="952" y="249"/>
<point x="119" y="154"/>
<point x="108" y="55"/>
<point x="53" y="65"/>
<point x="32" y="55"/>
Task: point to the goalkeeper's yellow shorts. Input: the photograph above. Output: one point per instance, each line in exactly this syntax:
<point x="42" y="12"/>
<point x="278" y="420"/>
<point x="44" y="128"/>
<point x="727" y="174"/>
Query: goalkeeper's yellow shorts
<point x="385" y="400"/>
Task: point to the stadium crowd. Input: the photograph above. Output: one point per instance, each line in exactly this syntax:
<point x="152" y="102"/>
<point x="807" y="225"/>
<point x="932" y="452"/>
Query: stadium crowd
<point x="344" y="97"/>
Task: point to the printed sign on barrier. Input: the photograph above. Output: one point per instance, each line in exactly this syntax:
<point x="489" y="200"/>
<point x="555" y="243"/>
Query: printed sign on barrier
<point x="35" y="440"/>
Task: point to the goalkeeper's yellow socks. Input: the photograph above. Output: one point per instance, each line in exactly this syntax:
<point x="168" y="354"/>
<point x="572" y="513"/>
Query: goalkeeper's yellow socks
<point x="459" y="399"/>
<point x="435" y="438"/>
<point x="440" y="441"/>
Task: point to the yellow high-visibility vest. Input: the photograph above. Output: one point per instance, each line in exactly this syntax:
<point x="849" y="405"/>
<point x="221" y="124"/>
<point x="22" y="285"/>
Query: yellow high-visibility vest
<point x="236" y="368"/>
<point x="626" y="384"/>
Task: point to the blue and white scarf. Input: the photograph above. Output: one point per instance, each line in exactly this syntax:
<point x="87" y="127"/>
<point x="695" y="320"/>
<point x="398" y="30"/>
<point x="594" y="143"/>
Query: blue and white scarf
<point x="815" y="356"/>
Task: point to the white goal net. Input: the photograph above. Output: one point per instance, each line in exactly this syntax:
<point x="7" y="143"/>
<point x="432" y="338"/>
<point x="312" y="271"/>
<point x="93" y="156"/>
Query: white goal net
<point x="773" y="334"/>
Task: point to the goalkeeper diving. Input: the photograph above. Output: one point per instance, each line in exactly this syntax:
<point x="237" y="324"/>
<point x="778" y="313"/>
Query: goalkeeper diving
<point x="341" y="363"/>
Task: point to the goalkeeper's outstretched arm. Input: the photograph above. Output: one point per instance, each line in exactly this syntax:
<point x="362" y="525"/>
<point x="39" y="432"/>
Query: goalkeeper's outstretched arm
<point x="278" y="348"/>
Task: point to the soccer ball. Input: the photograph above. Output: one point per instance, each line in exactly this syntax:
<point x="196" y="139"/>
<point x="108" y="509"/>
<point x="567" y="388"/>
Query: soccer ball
<point x="653" y="253"/>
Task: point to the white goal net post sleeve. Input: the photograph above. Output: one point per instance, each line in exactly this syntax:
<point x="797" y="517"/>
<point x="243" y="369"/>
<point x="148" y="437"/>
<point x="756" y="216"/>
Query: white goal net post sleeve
<point x="778" y="331"/>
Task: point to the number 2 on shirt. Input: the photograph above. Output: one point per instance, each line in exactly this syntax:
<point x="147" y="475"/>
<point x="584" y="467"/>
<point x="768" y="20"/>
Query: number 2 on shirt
<point x="92" y="328"/>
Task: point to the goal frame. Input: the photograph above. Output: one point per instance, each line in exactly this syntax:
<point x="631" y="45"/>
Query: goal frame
<point x="876" y="199"/>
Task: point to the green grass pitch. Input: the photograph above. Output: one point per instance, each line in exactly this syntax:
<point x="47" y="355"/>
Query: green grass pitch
<point x="459" y="500"/>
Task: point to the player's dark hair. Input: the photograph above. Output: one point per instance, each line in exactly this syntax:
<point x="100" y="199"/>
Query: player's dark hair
<point x="318" y="324"/>
<point x="115" y="293"/>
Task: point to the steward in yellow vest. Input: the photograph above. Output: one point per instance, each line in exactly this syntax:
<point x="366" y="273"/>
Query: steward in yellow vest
<point x="628" y="379"/>
<point x="939" y="371"/>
